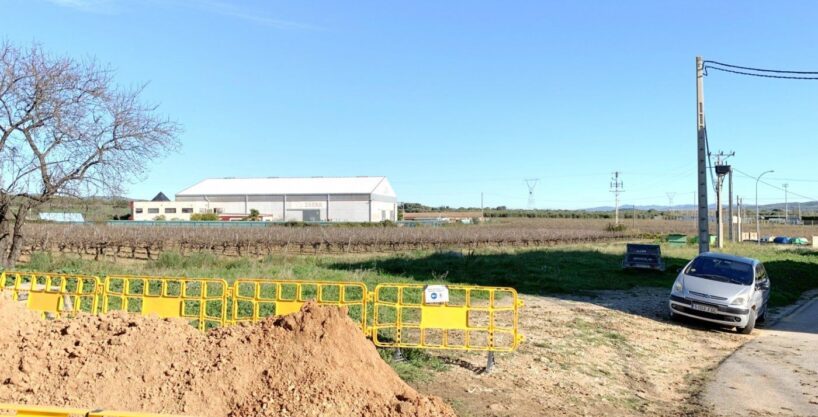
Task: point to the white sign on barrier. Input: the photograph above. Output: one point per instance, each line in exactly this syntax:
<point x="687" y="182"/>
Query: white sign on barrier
<point x="436" y="294"/>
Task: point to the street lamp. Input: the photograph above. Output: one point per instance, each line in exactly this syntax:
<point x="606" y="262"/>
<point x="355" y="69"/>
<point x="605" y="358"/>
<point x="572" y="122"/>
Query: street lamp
<point x="758" y="226"/>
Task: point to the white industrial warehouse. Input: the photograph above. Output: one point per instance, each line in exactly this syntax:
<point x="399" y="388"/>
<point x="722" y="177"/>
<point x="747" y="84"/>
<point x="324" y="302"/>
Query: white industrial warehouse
<point x="327" y="199"/>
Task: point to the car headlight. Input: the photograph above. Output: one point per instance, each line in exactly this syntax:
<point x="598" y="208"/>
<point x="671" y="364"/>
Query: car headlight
<point x="739" y="301"/>
<point x="678" y="287"/>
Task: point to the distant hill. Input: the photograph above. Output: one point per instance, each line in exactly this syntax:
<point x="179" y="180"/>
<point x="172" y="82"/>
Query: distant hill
<point x="811" y="206"/>
<point x="93" y="209"/>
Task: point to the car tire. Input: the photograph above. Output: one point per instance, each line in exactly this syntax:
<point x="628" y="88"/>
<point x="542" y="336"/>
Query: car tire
<point x="763" y="317"/>
<point x="751" y="324"/>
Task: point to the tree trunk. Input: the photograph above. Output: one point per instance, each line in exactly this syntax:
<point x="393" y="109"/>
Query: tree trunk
<point x="5" y="227"/>
<point x="17" y="236"/>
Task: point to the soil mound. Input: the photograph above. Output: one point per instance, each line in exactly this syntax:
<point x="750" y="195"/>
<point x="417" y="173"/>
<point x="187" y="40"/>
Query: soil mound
<point x="315" y="362"/>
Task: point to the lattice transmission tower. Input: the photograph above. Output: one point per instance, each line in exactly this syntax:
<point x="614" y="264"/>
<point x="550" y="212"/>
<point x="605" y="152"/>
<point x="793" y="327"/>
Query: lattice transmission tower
<point x="531" y="183"/>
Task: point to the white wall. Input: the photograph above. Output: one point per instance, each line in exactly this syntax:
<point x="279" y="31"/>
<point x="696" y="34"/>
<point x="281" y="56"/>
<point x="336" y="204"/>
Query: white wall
<point x="349" y="211"/>
<point x="382" y="210"/>
<point x="340" y="208"/>
<point x="144" y="210"/>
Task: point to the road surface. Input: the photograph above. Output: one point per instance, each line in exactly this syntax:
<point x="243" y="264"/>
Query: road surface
<point x="775" y="374"/>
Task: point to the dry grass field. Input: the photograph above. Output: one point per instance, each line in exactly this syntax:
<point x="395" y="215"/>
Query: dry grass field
<point x="146" y="242"/>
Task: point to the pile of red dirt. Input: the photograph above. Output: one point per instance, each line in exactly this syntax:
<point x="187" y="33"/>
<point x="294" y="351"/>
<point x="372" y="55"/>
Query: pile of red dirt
<point x="315" y="362"/>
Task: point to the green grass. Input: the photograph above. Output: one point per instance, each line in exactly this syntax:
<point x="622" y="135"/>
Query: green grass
<point x="415" y="365"/>
<point x="582" y="269"/>
<point x="576" y="269"/>
<point x="594" y="335"/>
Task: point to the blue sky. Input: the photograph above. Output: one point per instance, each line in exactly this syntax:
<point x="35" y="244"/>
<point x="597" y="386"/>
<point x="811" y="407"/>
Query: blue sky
<point x="453" y="98"/>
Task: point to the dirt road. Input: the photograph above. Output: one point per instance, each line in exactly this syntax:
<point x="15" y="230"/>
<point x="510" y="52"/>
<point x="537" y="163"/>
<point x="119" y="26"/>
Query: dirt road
<point x="775" y="374"/>
<point x="613" y="354"/>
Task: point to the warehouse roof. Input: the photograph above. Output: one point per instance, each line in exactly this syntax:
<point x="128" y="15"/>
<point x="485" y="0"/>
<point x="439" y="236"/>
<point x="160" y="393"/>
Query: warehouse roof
<point x="293" y="185"/>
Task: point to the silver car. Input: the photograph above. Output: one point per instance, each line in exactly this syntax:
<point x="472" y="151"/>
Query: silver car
<point x="724" y="289"/>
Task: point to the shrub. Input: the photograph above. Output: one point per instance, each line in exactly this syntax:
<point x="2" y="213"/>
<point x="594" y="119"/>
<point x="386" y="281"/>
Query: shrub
<point x="41" y="261"/>
<point x="254" y="216"/>
<point x="615" y="227"/>
<point x="175" y="260"/>
<point x="204" y="217"/>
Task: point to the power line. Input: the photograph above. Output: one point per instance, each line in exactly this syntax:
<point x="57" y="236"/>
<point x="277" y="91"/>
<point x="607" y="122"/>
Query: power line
<point x="759" y="72"/>
<point x="784" y="77"/>
<point x="792" y="179"/>
<point x="760" y="69"/>
<point x="775" y="186"/>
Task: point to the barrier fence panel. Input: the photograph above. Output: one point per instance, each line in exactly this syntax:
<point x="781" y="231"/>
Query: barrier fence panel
<point x="39" y="411"/>
<point x="54" y="295"/>
<point x="402" y="315"/>
<point x="470" y="318"/>
<point x="255" y="299"/>
<point x="203" y="301"/>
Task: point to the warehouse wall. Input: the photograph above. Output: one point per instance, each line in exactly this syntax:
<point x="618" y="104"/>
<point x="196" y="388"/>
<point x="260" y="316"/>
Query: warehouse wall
<point x="382" y="210"/>
<point x="333" y="207"/>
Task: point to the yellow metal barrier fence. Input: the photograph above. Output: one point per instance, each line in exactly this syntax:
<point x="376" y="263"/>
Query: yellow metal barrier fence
<point x="255" y="299"/>
<point x="473" y="318"/>
<point x="56" y="295"/>
<point x="200" y="300"/>
<point x="38" y="411"/>
<point x="402" y="315"/>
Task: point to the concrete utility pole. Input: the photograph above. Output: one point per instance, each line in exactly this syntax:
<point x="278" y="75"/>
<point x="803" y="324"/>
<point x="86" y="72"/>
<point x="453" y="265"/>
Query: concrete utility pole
<point x="799" y="213"/>
<point x="758" y="226"/>
<point x="738" y="224"/>
<point x="482" y="210"/>
<point x="786" y="205"/>
<point x="721" y="170"/>
<point x="616" y="188"/>
<point x="730" y="207"/>
<point x="701" y="152"/>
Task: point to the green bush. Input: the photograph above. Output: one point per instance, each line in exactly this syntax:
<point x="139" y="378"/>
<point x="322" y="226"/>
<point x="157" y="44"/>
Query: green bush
<point x="254" y="216"/>
<point x="204" y="217"/>
<point x="41" y="261"/>
<point x="175" y="260"/>
<point x="615" y="227"/>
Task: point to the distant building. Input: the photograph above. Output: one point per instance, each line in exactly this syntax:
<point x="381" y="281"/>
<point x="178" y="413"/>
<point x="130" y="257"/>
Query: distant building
<point x="161" y="197"/>
<point x="62" y="217"/>
<point x="328" y="199"/>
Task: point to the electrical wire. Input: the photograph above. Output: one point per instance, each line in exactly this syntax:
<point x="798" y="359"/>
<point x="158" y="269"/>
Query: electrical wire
<point x="758" y="72"/>
<point x="707" y="148"/>
<point x="792" y="179"/>
<point x="775" y="186"/>
<point x="760" y="69"/>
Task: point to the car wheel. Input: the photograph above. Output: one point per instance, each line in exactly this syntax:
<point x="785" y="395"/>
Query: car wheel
<point x="763" y="317"/>
<point x="751" y="324"/>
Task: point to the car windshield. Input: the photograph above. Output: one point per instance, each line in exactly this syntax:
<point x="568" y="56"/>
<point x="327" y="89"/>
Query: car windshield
<point x="725" y="270"/>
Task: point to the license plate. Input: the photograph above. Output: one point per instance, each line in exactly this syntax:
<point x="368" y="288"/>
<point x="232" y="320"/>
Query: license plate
<point x="706" y="308"/>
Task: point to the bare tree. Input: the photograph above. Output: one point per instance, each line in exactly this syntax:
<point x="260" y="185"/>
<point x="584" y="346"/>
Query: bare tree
<point x="67" y="129"/>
